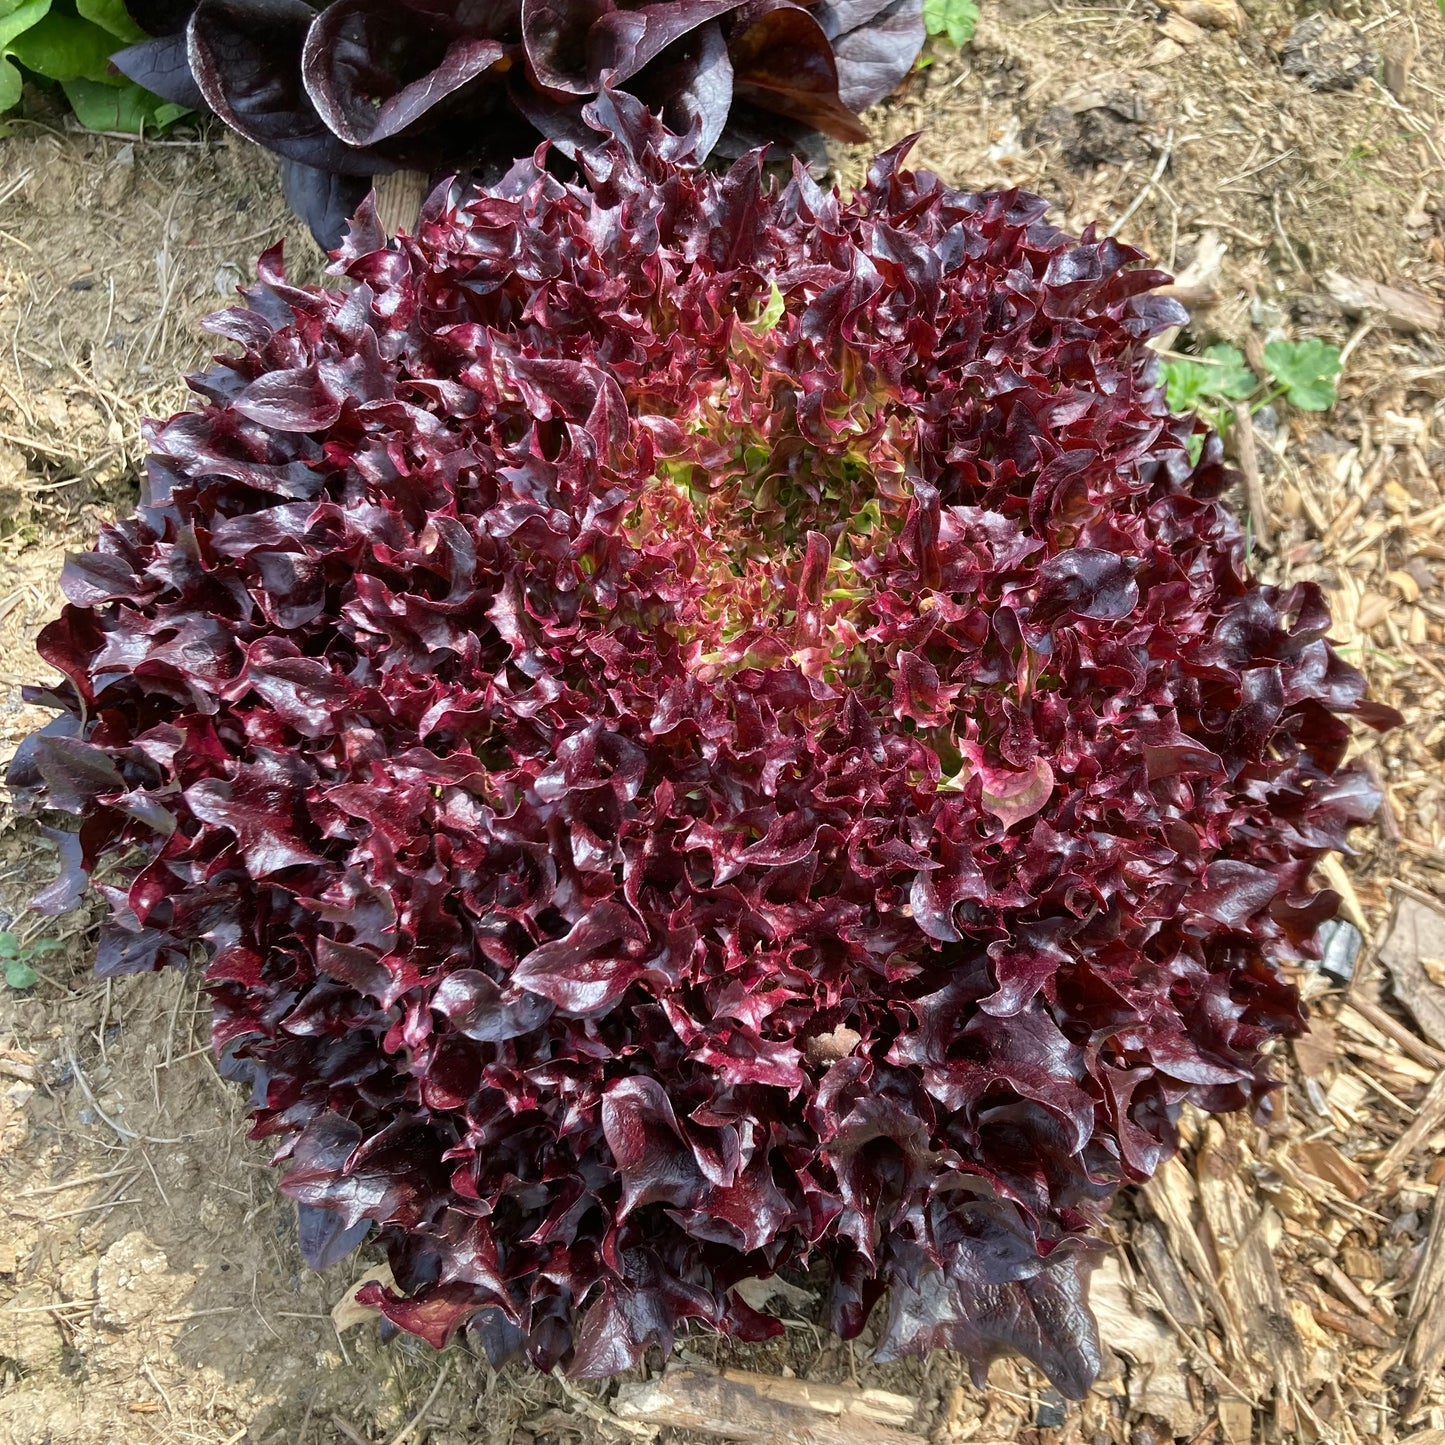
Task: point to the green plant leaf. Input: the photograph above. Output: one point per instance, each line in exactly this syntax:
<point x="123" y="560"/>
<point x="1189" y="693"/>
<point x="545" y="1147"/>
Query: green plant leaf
<point x="64" y="47"/>
<point x="771" y="314"/>
<point x="112" y="17"/>
<point x="16" y="19"/>
<point x="20" y="975"/>
<point x="10" y="85"/>
<point x="9" y="946"/>
<point x="125" y="108"/>
<point x="1183" y="382"/>
<point x="957" y="19"/>
<point x="1219" y="374"/>
<point x="1307" y="370"/>
<point x="1230" y="375"/>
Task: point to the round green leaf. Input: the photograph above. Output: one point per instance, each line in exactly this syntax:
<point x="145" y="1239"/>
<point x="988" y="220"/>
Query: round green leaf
<point x="64" y="47"/>
<point x="1306" y="369"/>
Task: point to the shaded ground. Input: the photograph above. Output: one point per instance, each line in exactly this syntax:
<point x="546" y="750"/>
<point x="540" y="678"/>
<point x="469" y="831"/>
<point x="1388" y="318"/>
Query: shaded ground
<point x="1269" y="1287"/>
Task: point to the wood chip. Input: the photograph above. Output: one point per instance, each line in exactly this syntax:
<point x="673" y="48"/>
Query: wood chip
<point x="1427" y="1304"/>
<point x="1417" y="1048"/>
<point x="399" y="197"/>
<point x="1354" y="1327"/>
<point x="1339" y="880"/>
<point x="1428" y="1118"/>
<point x="1165" y="1273"/>
<point x="1315" y="1051"/>
<point x="739" y="1405"/>
<point x="1173" y="1197"/>
<point x="1401" y="308"/>
<point x="1156" y="1374"/>
<point x="1244" y="1235"/>
<point x="1324" y="1161"/>
<point x="1345" y="1288"/>
<point x="1417" y="933"/>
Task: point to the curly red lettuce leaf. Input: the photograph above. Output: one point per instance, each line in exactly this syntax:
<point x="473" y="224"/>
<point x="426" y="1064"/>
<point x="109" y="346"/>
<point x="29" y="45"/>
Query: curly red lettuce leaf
<point x="703" y="730"/>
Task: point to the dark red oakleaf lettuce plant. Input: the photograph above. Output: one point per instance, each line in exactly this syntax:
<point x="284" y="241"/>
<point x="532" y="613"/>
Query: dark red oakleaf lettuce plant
<point x="357" y="88"/>
<point x="706" y="730"/>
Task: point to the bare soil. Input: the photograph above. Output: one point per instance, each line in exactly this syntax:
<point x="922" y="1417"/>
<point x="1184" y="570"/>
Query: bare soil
<point x="150" y="1284"/>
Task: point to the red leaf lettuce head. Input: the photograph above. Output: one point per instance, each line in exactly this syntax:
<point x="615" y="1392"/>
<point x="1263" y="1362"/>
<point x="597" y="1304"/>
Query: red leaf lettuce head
<point x="704" y="730"/>
<point x="361" y="87"/>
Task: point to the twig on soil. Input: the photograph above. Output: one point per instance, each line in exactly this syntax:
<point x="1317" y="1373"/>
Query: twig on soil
<point x="1254" y="487"/>
<point x="341" y="1424"/>
<point x="34" y="444"/>
<point x="73" y="1183"/>
<point x="159" y="1388"/>
<point x="17" y="184"/>
<point x="59" y="1306"/>
<point x="84" y="1209"/>
<point x="160" y="1188"/>
<point x="1284" y="238"/>
<point x="409" y="1429"/>
<point x="595" y="1410"/>
<point x="1148" y="185"/>
<point x="105" y="1118"/>
<point x="1356" y="337"/>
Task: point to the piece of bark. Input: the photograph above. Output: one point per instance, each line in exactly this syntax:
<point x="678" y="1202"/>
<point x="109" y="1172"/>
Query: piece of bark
<point x="739" y="1405"/>
<point x="1326" y="1162"/>
<point x="1163" y="1271"/>
<point x="1427" y="1304"/>
<point x="1200" y="283"/>
<point x="1223" y="15"/>
<point x="1392" y="1028"/>
<point x="1355" y="1327"/>
<point x="1417" y="931"/>
<point x="347" y="1312"/>
<point x="1248" y="1278"/>
<point x="1428" y="1118"/>
<point x="1397" y="74"/>
<point x="1172" y="1196"/>
<point x="1404" y="309"/>
<point x="1236" y="1420"/>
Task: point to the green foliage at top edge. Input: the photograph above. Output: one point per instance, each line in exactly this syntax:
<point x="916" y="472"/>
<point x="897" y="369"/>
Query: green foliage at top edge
<point x="70" y="42"/>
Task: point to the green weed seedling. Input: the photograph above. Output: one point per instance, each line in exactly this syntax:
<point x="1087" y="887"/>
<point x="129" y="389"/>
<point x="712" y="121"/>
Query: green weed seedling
<point x="1303" y="373"/>
<point x="955" y="19"/>
<point x="16" y="956"/>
